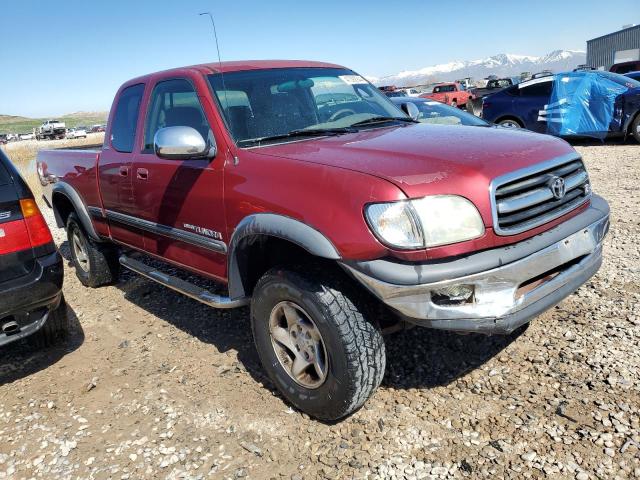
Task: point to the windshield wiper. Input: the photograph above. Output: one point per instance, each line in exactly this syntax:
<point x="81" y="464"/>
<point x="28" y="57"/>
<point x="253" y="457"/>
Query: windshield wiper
<point x="374" y="120"/>
<point x="311" y="132"/>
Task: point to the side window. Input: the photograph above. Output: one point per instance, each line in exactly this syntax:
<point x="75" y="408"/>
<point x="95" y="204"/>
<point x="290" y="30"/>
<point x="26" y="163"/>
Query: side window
<point x="542" y="89"/>
<point x="123" y="128"/>
<point x="4" y="175"/>
<point x="175" y="103"/>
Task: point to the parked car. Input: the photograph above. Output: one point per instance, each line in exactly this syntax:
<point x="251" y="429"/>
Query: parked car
<point x="76" y="133"/>
<point x="474" y="104"/>
<point x="51" y="130"/>
<point x="31" y="270"/>
<point x="595" y="103"/>
<point x="625" y="67"/>
<point x="26" y="136"/>
<point x="452" y="94"/>
<point x="395" y="93"/>
<point x="412" y="92"/>
<point x="3" y="139"/>
<point x="584" y="68"/>
<point x="437" y="113"/>
<point x="542" y="74"/>
<point x="98" y="128"/>
<point x="634" y="75"/>
<point x="334" y="222"/>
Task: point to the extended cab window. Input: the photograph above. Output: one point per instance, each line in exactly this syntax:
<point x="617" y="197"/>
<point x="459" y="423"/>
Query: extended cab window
<point x="175" y="103"/>
<point x="123" y="128"/>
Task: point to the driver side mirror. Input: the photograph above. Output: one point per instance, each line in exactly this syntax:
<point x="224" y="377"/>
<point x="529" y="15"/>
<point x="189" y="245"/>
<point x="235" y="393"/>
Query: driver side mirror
<point x="182" y="143"/>
<point x="410" y="109"/>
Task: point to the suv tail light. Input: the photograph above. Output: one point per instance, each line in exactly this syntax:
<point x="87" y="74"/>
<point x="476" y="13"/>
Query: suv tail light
<point x="14" y="237"/>
<point x="39" y="233"/>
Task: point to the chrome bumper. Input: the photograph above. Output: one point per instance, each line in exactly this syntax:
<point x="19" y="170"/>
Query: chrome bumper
<point x="502" y="301"/>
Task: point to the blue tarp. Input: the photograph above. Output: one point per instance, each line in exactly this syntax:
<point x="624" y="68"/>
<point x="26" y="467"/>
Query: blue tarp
<point x="582" y="104"/>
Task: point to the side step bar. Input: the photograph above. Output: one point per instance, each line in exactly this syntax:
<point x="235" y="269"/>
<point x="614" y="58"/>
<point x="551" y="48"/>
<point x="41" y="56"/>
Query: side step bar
<point x="181" y="286"/>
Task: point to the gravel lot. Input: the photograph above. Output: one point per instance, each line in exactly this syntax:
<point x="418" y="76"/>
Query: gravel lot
<point x="154" y="385"/>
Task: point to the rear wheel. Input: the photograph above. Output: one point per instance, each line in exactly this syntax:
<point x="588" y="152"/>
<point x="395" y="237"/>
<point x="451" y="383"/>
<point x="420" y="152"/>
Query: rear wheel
<point x="95" y="264"/>
<point x="55" y="328"/>
<point x="454" y="104"/>
<point x="509" y="123"/>
<point x="315" y="343"/>
<point x="635" y="128"/>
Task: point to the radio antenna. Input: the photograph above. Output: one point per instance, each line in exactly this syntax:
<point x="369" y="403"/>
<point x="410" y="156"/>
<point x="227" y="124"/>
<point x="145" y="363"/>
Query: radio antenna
<point x="215" y="36"/>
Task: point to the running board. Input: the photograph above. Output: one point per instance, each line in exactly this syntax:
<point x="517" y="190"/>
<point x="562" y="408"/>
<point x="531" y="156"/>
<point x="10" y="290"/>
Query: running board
<point x="181" y="286"/>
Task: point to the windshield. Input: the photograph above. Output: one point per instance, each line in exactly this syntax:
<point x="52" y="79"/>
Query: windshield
<point x="620" y="79"/>
<point x="258" y="104"/>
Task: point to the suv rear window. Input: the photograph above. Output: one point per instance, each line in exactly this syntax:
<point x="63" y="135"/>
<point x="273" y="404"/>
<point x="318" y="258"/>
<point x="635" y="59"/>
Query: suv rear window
<point x="4" y="175"/>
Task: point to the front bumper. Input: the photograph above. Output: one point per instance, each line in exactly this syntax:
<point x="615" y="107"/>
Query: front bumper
<point x="26" y="302"/>
<point x="511" y="285"/>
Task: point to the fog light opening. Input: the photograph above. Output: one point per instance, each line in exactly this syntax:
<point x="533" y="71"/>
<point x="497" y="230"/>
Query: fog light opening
<point x="453" y="295"/>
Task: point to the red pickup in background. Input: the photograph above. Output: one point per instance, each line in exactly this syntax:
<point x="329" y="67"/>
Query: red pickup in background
<point x="452" y="94"/>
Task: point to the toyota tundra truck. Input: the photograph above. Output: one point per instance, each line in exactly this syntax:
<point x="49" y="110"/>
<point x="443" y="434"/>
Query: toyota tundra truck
<point x="298" y="189"/>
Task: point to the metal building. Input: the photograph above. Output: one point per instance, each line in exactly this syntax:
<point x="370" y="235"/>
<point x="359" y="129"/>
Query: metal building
<point x="616" y="47"/>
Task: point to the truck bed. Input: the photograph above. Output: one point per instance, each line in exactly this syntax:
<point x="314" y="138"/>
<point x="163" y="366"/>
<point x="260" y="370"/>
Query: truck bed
<point x="75" y="166"/>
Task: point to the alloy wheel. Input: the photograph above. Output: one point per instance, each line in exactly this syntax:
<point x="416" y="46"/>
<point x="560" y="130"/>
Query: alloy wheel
<point x="298" y="344"/>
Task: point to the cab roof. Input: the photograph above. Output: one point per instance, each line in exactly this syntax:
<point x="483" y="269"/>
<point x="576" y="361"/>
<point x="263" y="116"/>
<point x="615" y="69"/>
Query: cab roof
<point x="241" y="65"/>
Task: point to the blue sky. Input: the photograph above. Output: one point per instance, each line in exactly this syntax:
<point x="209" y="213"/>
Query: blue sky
<point x="62" y="56"/>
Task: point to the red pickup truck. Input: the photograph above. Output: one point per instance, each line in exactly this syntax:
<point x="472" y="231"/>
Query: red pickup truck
<point x="312" y="198"/>
<point x="452" y="94"/>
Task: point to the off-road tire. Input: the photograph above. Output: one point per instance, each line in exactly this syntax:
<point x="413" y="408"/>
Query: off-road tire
<point x="103" y="265"/>
<point x="354" y="346"/>
<point x="635" y="128"/>
<point x="55" y="328"/>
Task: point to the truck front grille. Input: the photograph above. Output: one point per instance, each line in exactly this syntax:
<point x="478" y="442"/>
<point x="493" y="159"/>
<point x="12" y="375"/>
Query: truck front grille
<point x="532" y="197"/>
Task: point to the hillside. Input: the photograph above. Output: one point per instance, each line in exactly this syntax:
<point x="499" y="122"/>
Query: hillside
<point x="16" y="124"/>
<point x="502" y="65"/>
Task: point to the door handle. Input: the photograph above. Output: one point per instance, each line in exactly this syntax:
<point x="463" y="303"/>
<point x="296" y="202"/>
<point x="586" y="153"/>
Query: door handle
<point x="142" y="173"/>
<point x="124" y="171"/>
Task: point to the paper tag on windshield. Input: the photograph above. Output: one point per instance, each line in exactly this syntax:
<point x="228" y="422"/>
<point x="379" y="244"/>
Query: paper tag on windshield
<point x="352" y="79"/>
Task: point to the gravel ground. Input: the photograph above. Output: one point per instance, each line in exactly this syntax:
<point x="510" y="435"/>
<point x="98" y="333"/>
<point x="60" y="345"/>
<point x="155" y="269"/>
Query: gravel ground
<point x="154" y="385"/>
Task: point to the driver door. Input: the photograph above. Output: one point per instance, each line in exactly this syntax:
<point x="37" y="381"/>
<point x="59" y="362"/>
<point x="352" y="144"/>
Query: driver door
<point x="181" y="201"/>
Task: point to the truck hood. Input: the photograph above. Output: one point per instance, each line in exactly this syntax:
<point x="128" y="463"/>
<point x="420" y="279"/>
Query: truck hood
<point x="426" y="159"/>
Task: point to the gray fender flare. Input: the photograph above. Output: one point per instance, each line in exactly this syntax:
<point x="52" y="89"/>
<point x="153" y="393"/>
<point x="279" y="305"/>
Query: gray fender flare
<point x="78" y="205"/>
<point x="278" y="226"/>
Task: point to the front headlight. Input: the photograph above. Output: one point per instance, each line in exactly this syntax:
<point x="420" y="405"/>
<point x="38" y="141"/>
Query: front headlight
<point x="425" y="222"/>
<point x="395" y="224"/>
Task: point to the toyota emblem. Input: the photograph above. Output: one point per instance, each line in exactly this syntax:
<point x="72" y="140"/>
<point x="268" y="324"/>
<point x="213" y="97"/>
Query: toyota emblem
<point x="558" y="187"/>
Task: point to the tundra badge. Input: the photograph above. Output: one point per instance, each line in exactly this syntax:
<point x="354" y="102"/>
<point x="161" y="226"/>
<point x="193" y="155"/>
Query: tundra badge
<point x="203" y="231"/>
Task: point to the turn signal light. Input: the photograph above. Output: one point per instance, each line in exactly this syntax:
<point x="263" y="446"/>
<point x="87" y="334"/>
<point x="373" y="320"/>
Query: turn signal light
<point x="37" y="227"/>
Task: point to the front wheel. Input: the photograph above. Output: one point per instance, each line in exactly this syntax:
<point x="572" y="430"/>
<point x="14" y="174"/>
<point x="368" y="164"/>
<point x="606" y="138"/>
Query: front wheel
<point x="509" y="123"/>
<point x="315" y="342"/>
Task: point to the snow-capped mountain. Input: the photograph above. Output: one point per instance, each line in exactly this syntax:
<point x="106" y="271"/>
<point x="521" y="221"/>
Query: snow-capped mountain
<point x="502" y="65"/>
